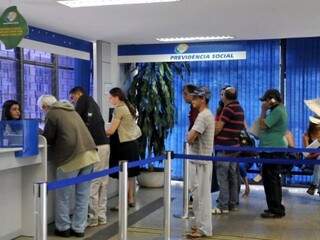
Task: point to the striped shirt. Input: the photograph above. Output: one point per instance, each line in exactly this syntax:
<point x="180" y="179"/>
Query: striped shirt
<point x="233" y="117"/>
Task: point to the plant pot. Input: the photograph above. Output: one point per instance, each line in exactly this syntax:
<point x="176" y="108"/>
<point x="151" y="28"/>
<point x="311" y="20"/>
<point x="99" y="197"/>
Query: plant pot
<point x="151" y="179"/>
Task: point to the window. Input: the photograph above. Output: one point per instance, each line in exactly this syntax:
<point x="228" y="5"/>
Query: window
<point x="36" y="73"/>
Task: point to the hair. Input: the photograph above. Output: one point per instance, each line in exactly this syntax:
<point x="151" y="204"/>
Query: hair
<point x="48" y="100"/>
<point x="313" y="128"/>
<point x="6" y="115"/>
<point x="190" y="88"/>
<point x="77" y="89"/>
<point x="117" y="92"/>
<point x="231" y="93"/>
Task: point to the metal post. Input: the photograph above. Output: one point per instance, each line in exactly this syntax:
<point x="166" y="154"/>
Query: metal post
<point x="123" y="200"/>
<point x="185" y="210"/>
<point x="40" y="210"/>
<point x="167" y="197"/>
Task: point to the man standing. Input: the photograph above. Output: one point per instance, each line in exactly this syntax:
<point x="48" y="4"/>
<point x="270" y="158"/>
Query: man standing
<point x="193" y="113"/>
<point x="187" y="95"/>
<point x="74" y="154"/>
<point x="273" y="126"/>
<point x="90" y="113"/>
<point x="227" y="131"/>
<point x="200" y="139"/>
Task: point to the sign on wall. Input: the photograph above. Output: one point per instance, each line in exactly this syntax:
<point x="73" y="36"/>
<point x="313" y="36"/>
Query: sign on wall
<point x="13" y="27"/>
<point x="177" y="53"/>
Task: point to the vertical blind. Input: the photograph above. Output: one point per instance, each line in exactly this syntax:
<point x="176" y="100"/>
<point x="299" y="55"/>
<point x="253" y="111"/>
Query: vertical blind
<point x="259" y="72"/>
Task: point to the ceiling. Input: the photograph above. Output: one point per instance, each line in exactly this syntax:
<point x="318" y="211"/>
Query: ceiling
<point x="133" y="24"/>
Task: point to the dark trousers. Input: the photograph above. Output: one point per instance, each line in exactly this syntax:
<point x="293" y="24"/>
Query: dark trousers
<point x="272" y="183"/>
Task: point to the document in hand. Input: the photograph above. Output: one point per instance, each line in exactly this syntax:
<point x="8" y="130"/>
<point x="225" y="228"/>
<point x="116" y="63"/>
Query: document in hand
<point x="314" y="144"/>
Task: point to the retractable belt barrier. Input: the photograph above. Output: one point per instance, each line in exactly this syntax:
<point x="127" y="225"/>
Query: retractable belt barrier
<point x="41" y="189"/>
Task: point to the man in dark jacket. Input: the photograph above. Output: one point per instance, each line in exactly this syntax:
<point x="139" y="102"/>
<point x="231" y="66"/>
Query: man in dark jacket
<point x="74" y="153"/>
<point x="90" y="113"/>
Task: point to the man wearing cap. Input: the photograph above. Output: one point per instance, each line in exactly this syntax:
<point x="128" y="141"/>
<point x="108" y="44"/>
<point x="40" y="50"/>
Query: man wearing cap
<point x="200" y="139"/>
<point x="273" y="126"/>
<point x="228" y="129"/>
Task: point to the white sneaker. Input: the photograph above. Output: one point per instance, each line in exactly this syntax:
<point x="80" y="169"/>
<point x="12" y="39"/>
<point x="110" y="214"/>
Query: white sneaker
<point x="218" y="211"/>
<point x="92" y="223"/>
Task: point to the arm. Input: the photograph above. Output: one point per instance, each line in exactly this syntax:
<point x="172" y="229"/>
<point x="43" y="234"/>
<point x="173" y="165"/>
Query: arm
<point x="192" y="136"/>
<point x="81" y="108"/>
<point x="264" y="108"/>
<point x="50" y="129"/>
<point x="114" y="126"/>
<point x="305" y="140"/>
<point x="218" y="127"/>
<point x="290" y="139"/>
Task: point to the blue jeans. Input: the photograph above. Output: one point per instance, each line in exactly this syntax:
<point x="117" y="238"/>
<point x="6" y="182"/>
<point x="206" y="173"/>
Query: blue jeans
<point x="316" y="176"/>
<point x="227" y="175"/>
<point x="63" y="197"/>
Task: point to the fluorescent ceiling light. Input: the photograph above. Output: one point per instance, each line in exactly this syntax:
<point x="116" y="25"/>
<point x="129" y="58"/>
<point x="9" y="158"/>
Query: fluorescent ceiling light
<point x="96" y="3"/>
<point x="187" y="39"/>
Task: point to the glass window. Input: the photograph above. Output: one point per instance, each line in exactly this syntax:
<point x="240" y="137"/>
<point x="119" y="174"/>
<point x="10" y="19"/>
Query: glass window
<point x="66" y="82"/>
<point x="6" y="53"/>
<point x="66" y="62"/>
<point x="37" y="56"/>
<point x="8" y="80"/>
<point x="37" y="81"/>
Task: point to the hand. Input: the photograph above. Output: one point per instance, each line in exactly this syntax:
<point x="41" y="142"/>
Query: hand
<point x="265" y="106"/>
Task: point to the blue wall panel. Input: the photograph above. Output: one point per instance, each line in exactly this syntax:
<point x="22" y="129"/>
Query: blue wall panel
<point x="303" y="81"/>
<point x="252" y="77"/>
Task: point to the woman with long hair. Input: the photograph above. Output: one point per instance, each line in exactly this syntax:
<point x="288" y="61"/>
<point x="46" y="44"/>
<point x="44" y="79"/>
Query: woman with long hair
<point x="124" y="134"/>
<point x="11" y="110"/>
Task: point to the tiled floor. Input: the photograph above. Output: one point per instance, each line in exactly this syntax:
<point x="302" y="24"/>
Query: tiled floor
<point x="301" y="222"/>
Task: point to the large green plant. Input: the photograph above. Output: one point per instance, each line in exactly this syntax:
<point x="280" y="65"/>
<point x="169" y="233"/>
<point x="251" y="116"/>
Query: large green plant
<point x="151" y="91"/>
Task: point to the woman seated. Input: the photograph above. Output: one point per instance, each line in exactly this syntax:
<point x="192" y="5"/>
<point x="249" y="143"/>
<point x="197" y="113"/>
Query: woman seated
<point x="310" y="136"/>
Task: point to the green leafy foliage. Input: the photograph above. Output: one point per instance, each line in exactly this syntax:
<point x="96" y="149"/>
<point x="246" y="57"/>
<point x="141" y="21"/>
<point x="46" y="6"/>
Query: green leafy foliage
<point x="151" y="91"/>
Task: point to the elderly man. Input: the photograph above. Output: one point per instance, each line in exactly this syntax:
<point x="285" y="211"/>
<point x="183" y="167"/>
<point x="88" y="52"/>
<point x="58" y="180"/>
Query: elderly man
<point x="200" y="139"/>
<point x="74" y="153"/>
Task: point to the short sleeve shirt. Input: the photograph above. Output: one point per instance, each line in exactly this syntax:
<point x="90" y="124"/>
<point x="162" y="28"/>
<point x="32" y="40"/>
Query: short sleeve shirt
<point x="277" y="124"/>
<point x="128" y="129"/>
<point x="204" y="125"/>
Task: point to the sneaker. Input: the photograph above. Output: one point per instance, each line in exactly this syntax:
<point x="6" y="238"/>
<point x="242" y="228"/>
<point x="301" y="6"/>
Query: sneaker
<point x="102" y="221"/>
<point x="233" y="209"/>
<point x="218" y="211"/>
<point x="312" y="189"/>
<point x="92" y="223"/>
<point x="64" y="234"/>
<point x="76" y="234"/>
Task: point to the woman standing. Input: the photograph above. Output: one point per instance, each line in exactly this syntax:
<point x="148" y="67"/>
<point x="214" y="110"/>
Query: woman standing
<point x="124" y="134"/>
<point x="11" y="110"/>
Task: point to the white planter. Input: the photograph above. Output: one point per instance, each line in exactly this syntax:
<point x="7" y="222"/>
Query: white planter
<point x="151" y="179"/>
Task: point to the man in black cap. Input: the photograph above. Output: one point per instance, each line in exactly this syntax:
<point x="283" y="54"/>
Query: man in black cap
<point x="273" y="126"/>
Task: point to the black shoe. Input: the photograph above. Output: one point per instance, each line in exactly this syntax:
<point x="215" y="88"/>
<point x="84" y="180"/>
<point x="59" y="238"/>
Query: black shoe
<point x="266" y="211"/>
<point x="312" y="189"/>
<point x="64" y="234"/>
<point x="271" y="215"/>
<point x="76" y="234"/>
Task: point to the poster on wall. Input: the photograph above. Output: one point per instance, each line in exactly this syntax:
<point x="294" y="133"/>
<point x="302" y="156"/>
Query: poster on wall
<point x="13" y="27"/>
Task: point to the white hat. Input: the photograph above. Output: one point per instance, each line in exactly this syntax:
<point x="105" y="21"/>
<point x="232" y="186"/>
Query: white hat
<point x="314" y="119"/>
<point x="313" y="105"/>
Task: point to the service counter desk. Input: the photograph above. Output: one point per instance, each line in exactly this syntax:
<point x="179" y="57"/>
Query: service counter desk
<point x="17" y="176"/>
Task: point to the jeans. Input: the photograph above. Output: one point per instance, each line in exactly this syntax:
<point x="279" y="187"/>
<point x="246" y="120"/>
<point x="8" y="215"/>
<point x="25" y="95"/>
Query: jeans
<point x="316" y="176"/>
<point x="272" y="183"/>
<point x="63" y="196"/>
<point x="228" y="179"/>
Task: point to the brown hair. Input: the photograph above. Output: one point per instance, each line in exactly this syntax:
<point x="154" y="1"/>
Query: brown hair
<point x="117" y="92"/>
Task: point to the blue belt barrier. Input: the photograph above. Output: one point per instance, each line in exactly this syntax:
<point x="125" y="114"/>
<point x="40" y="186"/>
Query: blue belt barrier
<point x="85" y="178"/>
<point x="249" y="160"/>
<point x="266" y="149"/>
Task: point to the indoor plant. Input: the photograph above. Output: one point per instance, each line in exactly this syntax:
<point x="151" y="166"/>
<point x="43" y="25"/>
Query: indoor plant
<point x="151" y="91"/>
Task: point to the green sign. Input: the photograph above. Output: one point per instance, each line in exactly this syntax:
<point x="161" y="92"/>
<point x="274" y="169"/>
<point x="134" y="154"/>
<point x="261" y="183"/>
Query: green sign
<point x="13" y="27"/>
